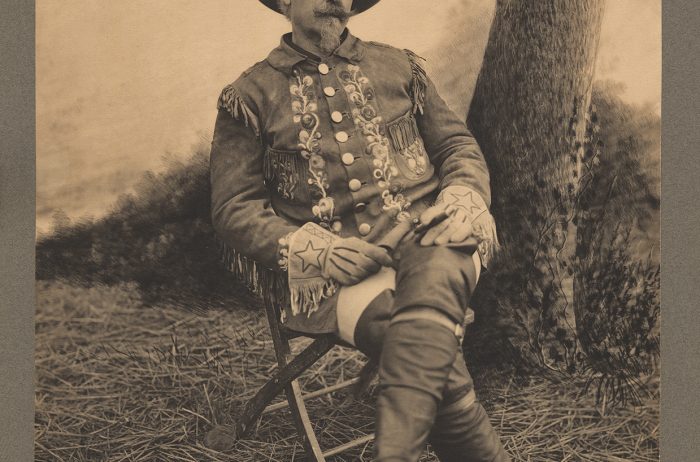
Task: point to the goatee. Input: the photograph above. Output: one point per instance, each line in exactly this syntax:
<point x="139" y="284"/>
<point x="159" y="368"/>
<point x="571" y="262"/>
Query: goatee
<point x="333" y="19"/>
<point x="330" y="32"/>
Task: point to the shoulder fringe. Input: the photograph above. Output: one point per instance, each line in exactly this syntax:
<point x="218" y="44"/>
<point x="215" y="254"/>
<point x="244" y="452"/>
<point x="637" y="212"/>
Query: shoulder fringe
<point x="231" y="100"/>
<point x="270" y="285"/>
<point x="380" y="44"/>
<point x="420" y="79"/>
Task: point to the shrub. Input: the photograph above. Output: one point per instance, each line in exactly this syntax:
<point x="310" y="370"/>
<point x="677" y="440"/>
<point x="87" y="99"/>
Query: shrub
<point x="159" y="237"/>
<point x="605" y="324"/>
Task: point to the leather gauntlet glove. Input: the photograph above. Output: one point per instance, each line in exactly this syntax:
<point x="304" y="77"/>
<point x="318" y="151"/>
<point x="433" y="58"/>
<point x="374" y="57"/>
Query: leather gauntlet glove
<point x="350" y="260"/>
<point x="470" y="216"/>
<point x="454" y="229"/>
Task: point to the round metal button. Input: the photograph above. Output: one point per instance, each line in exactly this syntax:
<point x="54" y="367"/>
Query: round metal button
<point x="329" y="91"/>
<point x="354" y="184"/>
<point x="341" y="137"/>
<point x="323" y="68"/>
<point x="337" y="226"/>
<point x="364" y="229"/>
<point x="337" y="117"/>
<point x="348" y="158"/>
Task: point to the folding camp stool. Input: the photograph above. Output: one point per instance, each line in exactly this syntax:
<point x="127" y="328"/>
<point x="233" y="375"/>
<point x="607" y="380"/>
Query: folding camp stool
<point x="285" y="379"/>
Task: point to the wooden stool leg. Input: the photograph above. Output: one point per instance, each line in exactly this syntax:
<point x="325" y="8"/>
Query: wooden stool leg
<point x="293" y="391"/>
<point x="303" y="423"/>
<point x="285" y="375"/>
<point x="296" y="402"/>
<point x="223" y="437"/>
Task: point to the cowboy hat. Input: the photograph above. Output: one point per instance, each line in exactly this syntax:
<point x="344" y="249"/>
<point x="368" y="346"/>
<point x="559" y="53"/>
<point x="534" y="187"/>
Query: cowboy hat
<point x="358" y="6"/>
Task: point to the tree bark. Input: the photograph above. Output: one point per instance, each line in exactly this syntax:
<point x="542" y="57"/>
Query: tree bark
<point x="529" y="114"/>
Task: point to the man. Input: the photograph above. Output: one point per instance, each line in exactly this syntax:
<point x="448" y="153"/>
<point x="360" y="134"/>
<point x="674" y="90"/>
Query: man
<point x="325" y="157"/>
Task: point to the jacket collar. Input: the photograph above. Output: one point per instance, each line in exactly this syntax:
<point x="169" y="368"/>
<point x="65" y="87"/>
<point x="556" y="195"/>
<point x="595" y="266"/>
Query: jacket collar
<point x="288" y="54"/>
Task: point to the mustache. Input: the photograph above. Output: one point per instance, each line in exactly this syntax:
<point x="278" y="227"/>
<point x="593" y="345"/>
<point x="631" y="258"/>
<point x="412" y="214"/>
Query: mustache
<point x="332" y="10"/>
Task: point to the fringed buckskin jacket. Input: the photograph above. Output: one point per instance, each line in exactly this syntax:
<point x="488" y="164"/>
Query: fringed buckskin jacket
<point x="306" y="150"/>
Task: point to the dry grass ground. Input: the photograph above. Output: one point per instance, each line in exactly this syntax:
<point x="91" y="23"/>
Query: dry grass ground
<point x="121" y="382"/>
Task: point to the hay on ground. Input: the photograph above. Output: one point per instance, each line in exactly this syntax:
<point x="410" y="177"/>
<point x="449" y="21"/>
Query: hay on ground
<point x="116" y="381"/>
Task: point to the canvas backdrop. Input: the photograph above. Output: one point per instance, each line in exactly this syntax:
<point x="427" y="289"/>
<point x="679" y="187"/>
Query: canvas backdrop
<point x="121" y="84"/>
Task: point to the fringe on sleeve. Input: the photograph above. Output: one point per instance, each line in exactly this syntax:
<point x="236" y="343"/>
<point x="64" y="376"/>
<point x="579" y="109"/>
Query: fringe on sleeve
<point x="419" y="81"/>
<point x="231" y="100"/>
<point x="270" y="285"/>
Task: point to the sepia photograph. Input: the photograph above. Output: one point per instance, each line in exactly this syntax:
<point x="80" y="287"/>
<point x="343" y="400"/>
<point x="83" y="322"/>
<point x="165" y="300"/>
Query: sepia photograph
<point x="348" y="230"/>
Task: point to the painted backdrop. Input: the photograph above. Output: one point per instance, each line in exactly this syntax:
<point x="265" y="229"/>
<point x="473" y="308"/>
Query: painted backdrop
<point x="121" y="84"/>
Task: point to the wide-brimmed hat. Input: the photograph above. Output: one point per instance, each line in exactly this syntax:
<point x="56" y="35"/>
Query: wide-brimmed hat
<point x="358" y="6"/>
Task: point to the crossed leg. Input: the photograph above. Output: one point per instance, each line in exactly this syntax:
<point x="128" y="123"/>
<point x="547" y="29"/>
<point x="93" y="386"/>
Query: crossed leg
<point x="426" y="392"/>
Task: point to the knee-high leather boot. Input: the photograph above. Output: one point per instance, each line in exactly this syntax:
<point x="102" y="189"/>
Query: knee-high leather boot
<point x="416" y="360"/>
<point x="433" y="287"/>
<point x="462" y="433"/>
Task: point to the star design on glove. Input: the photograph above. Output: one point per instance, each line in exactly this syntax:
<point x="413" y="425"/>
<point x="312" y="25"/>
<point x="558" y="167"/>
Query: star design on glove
<point x="464" y="201"/>
<point x="310" y="256"/>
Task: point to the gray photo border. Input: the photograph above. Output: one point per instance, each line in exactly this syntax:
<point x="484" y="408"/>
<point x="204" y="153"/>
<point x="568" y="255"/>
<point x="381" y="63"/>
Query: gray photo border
<point x="680" y="219"/>
<point x="17" y="217"/>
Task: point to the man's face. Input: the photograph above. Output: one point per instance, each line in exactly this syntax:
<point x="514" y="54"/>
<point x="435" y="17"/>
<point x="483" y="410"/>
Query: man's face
<point x="321" y="20"/>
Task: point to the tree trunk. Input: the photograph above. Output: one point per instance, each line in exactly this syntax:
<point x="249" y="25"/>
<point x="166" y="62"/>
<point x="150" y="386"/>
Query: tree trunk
<point x="529" y="114"/>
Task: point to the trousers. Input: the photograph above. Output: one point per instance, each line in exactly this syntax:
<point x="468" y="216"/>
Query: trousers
<point x="426" y="392"/>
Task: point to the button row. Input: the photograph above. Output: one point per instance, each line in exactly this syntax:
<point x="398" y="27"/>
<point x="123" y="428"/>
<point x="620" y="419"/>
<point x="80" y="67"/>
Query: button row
<point x="336" y="116"/>
<point x="355" y="185"/>
<point x="347" y="158"/>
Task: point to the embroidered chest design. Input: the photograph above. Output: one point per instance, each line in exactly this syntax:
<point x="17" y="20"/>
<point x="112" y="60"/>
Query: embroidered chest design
<point x="305" y="115"/>
<point x="370" y="124"/>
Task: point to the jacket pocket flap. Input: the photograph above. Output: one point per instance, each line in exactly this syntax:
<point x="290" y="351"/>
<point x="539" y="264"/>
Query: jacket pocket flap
<point x="286" y="172"/>
<point x="403" y="131"/>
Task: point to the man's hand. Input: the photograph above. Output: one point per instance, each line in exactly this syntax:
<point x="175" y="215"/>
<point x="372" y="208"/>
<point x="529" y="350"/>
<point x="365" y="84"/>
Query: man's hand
<point x="456" y="228"/>
<point x="350" y="260"/>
